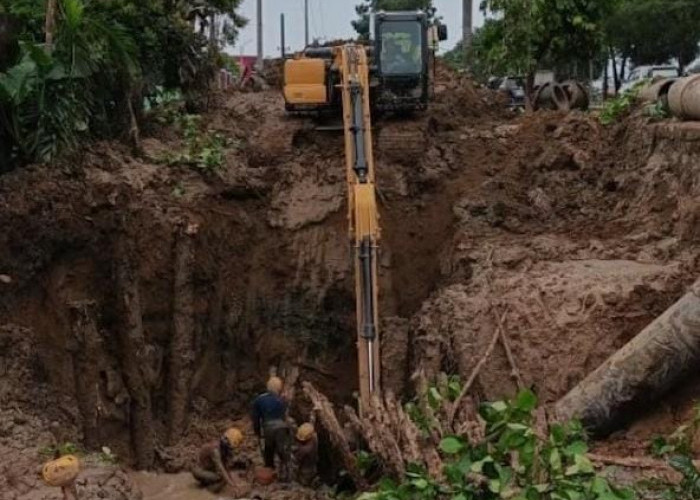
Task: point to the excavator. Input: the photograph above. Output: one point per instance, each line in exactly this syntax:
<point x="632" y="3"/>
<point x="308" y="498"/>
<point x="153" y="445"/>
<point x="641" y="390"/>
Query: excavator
<point x="356" y="81"/>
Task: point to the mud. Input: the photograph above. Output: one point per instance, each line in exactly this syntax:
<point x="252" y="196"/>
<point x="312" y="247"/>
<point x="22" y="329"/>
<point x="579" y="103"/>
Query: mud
<point x="143" y="304"/>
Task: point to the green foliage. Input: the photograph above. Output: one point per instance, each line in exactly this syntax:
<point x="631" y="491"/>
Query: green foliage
<point x="366" y="462"/>
<point x="680" y="441"/>
<point x="106" y="57"/>
<point x="657" y="111"/>
<point x="526" y="34"/>
<point x="60" y="450"/>
<point x="362" y="25"/>
<point x="689" y="487"/>
<point x="620" y="106"/>
<point x="656" y="31"/>
<point x="512" y="462"/>
<point x="422" y="410"/>
<point x="204" y="150"/>
<point x="678" y="449"/>
<point x="485" y="56"/>
<point x="47" y="100"/>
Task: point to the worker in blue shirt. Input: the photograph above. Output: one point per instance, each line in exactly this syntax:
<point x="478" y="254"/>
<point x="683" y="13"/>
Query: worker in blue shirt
<point x="270" y="424"/>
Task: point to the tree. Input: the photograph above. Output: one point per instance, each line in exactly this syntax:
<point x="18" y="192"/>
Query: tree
<point x="364" y="9"/>
<point x="538" y="32"/>
<point x="655" y="31"/>
<point x="482" y="57"/>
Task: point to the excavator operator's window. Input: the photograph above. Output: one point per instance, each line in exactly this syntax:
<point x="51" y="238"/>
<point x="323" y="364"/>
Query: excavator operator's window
<point x="401" y="48"/>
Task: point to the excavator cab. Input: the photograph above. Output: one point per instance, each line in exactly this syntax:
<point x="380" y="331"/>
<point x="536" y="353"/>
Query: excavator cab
<point x="402" y="51"/>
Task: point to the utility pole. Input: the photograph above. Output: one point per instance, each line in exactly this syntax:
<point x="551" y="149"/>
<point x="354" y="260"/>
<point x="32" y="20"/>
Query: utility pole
<point x="259" y="62"/>
<point x="283" y="41"/>
<point x="467" y="23"/>
<point x="306" y="23"/>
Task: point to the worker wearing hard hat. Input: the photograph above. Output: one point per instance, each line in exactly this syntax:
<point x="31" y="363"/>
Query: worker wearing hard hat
<point x="62" y="473"/>
<point x="269" y="423"/>
<point x="306" y="453"/>
<point x="211" y="471"/>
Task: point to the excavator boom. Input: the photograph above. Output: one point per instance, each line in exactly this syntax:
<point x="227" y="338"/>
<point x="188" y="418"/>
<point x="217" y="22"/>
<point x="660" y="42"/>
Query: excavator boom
<point x="352" y="62"/>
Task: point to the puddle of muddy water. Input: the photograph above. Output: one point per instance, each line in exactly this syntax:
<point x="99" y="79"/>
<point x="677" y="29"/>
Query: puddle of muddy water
<point x="170" y="487"/>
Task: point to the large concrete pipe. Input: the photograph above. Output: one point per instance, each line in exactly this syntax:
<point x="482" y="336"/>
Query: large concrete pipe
<point x="577" y="94"/>
<point x="657" y="91"/>
<point x="642" y="371"/>
<point x="551" y="96"/>
<point x="684" y="98"/>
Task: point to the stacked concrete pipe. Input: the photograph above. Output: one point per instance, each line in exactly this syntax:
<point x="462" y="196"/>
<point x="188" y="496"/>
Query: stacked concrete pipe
<point x="684" y="98"/>
<point x="657" y="91"/>
<point x="551" y="95"/>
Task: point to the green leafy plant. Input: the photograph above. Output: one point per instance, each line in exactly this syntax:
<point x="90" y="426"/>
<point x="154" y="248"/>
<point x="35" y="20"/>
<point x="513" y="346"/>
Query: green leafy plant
<point x="204" y="150"/>
<point x="61" y="449"/>
<point x="689" y="487"/>
<point x="657" y="111"/>
<point x="422" y="409"/>
<point x="366" y="462"/>
<point x="512" y="462"/>
<point x="105" y="59"/>
<point x="620" y="106"/>
<point x="680" y="441"/>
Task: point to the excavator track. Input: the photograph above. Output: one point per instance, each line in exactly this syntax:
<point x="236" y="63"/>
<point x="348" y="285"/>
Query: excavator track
<point x="401" y="142"/>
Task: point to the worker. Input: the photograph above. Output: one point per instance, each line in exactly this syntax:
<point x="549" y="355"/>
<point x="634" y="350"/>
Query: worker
<point x="270" y="425"/>
<point x="211" y="471"/>
<point x="306" y="453"/>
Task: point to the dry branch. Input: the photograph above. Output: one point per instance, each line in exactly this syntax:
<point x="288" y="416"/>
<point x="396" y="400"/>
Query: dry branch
<point x="475" y="372"/>
<point x="506" y="346"/>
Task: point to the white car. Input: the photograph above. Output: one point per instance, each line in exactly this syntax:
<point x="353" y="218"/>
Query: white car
<point x="693" y="68"/>
<point x="641" y="73"/>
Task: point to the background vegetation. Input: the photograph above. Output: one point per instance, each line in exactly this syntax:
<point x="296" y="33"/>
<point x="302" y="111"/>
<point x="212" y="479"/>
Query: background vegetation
<point x="74" y="69"/>
<point x="578" y="38"/>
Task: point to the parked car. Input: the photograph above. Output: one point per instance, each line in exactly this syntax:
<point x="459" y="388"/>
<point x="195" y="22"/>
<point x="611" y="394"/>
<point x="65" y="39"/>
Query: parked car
<point x="641" y="73"/>
<point x="693" y="68"/>
<point x="512" y="86"/>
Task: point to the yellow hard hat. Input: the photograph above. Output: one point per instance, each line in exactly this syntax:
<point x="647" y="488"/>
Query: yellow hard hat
<point x="274" y="385"/>
<point x="61" y="472"/>
<point x="234" y="437"/>
<point x="305" y="432"/>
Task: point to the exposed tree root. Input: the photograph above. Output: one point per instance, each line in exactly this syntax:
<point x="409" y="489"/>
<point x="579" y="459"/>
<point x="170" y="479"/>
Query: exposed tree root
<point x="181" y="366"/>
<point x="394" y="437"/>
<point x="329" y="421"/>
<point x="475" y="373"/>
<point x="87" y="353"/>
<point x="135" y="359"/>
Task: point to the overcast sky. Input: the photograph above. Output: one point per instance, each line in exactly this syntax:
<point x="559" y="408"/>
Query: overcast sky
<point x="329" y="19"/>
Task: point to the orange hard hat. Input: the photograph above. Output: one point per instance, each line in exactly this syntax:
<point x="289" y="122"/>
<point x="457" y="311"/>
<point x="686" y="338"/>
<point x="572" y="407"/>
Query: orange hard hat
<point x="61" y="472"/>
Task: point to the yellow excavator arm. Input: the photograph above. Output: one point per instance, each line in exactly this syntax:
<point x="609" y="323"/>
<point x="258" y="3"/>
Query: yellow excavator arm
<point x="320" y="78"/>
<point x="353" y="66"/>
